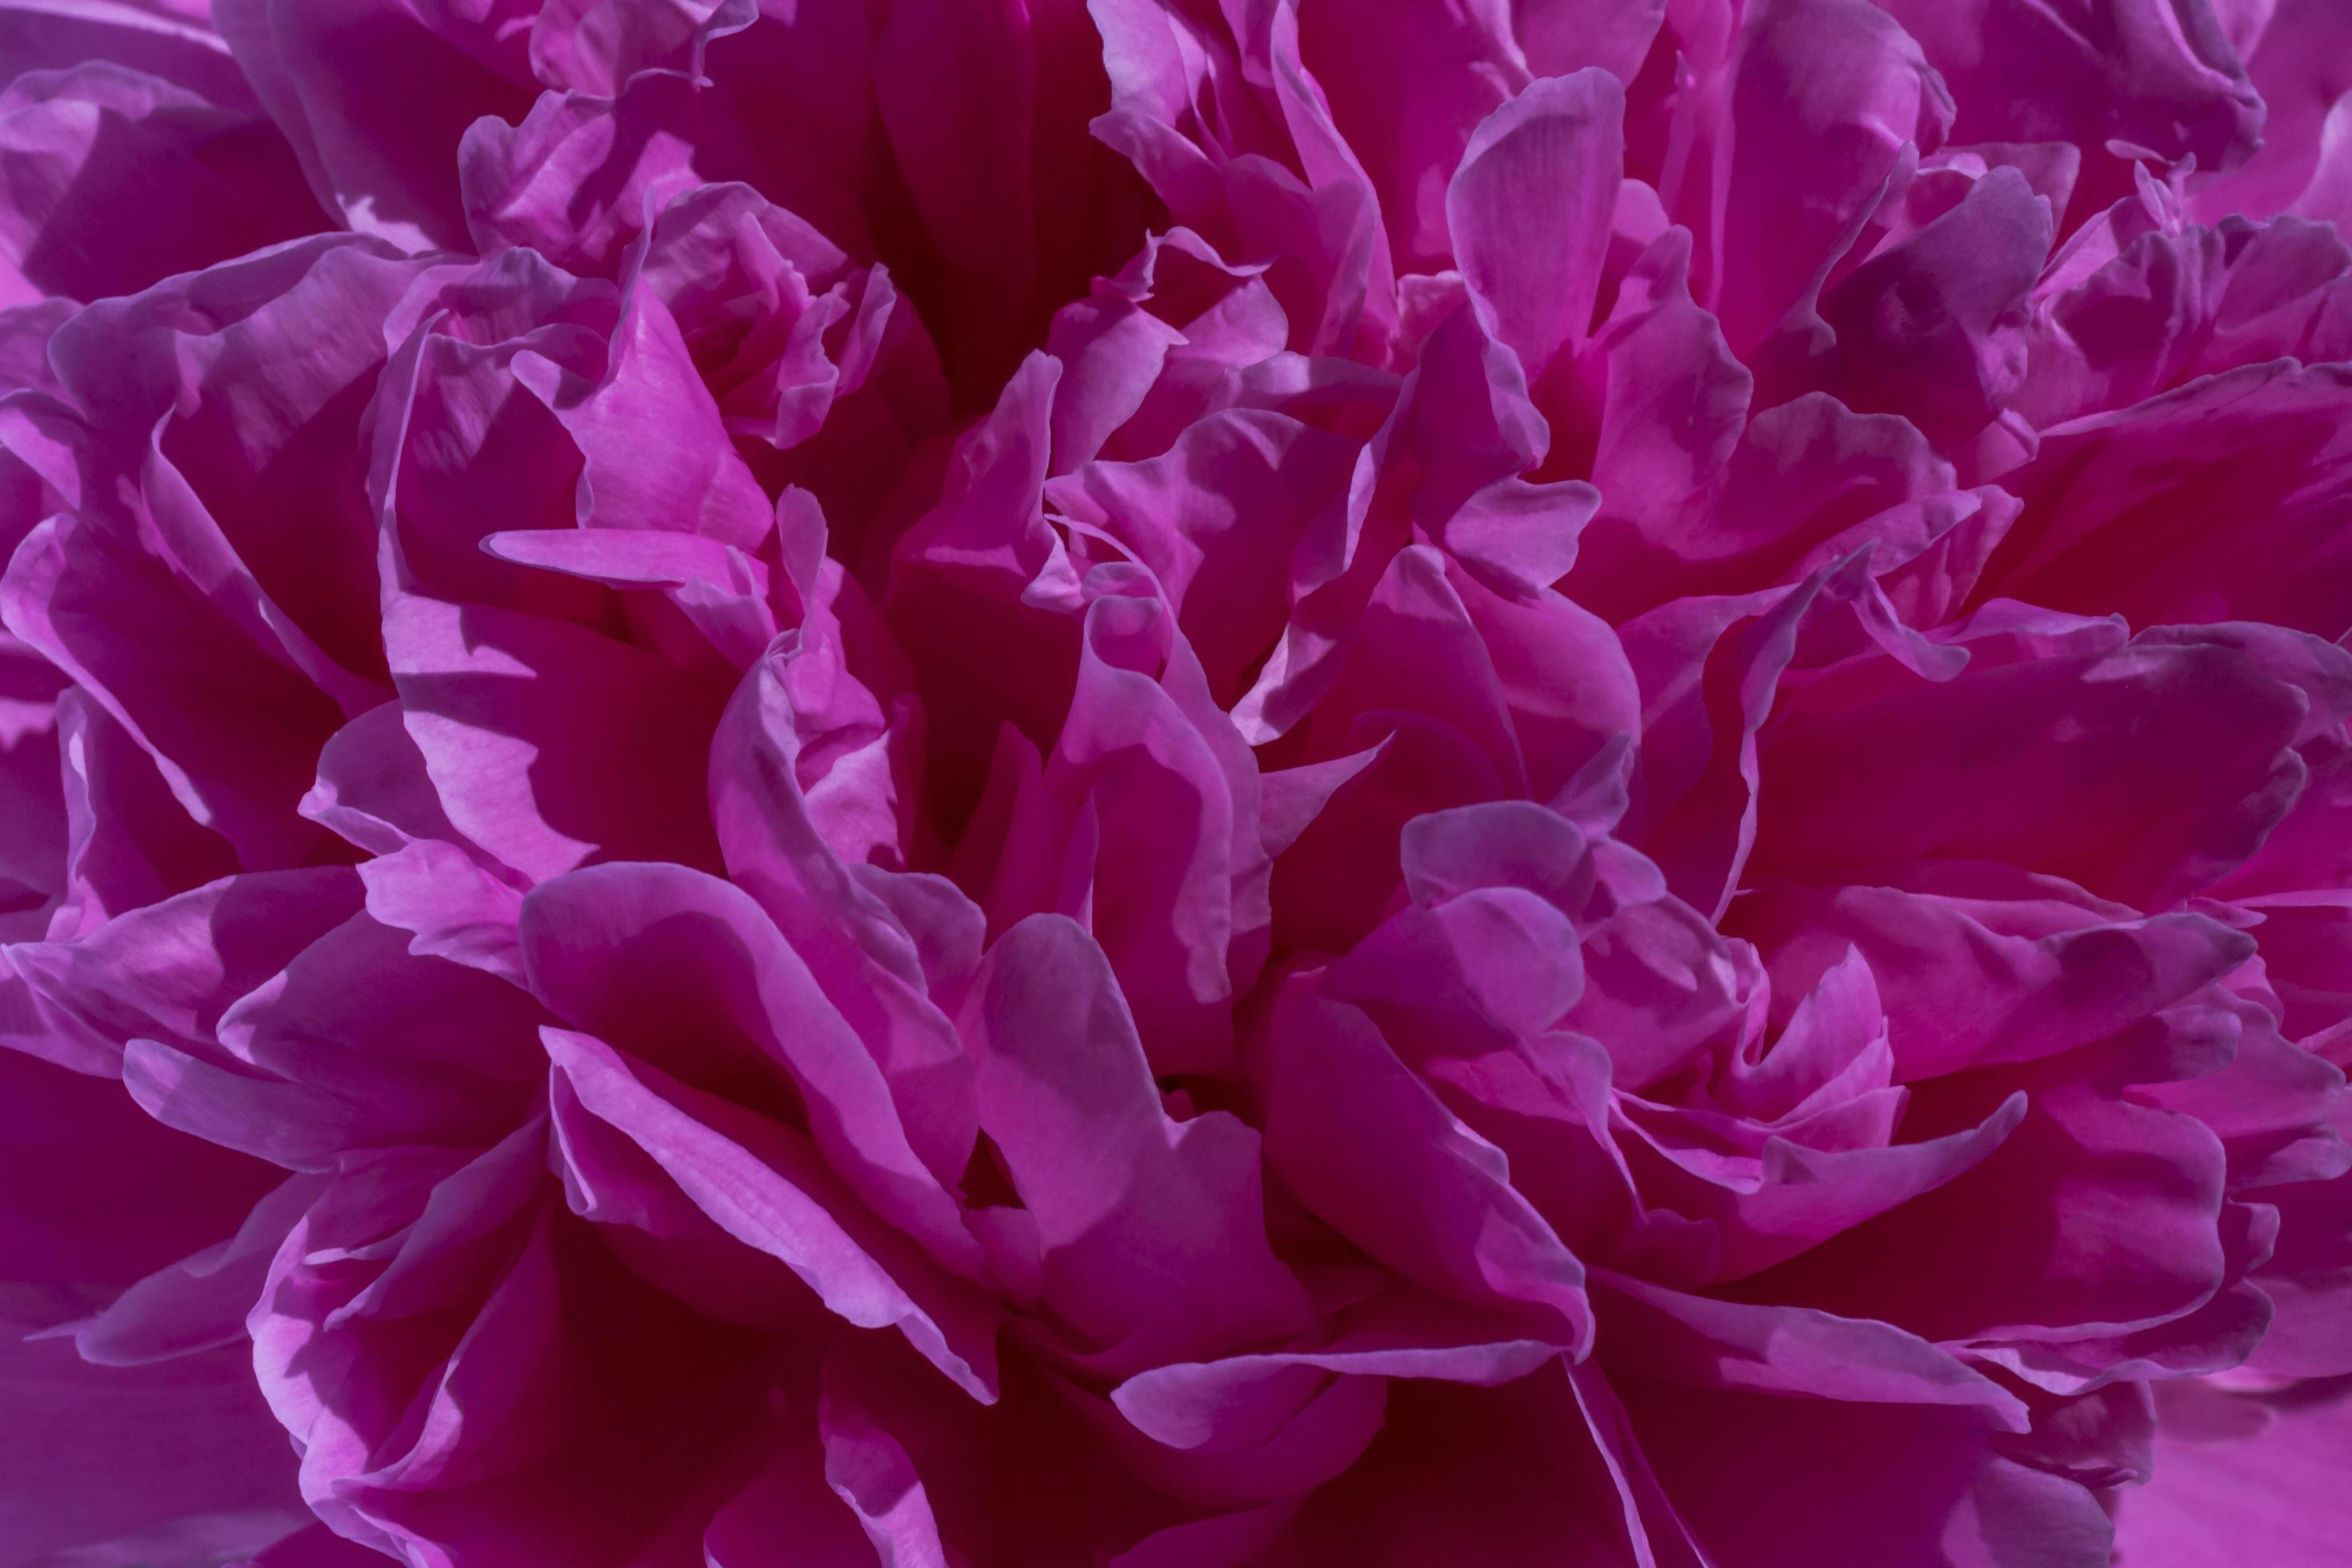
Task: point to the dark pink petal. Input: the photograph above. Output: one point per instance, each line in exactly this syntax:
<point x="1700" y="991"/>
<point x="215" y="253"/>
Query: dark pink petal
<point x="1176" y="890"/>
<point x="1216" y="519"/>
<point x="1935" y="328"/>
<point x="1967" y="982"/>
<point x="200" y="1303"/>
<point x="1527" y="210"/>
<point x="2112" y="501"/>
<point x="117" y="178"/>
<point x="178" y="1460"/>
<point x="2219" y="1494"/>
<point x="373" y="152"/>
<point x="2104" y="1216"/>
<point x="170" y="971"/>
<point x="1828" y="106"/>
<point x="1424" y="1194"/>
<point x="2154" y="76"/>
<point x="2297" y="65"/>
<point x="688" y="972"/>
<point x="100" y="1196"/>
<point x="497" y="703"/>
<point x="1068" y="1101"/>
<point x="1511" y="1475"/>
<point x="765" y="1187"/>
<point x="2097" y="730"/>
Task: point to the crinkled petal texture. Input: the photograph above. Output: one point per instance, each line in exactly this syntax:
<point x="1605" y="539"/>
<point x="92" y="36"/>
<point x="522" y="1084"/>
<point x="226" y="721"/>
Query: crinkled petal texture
<point x="1175" y="784"/>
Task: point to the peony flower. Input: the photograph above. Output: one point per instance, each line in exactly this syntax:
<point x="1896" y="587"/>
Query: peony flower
<point x="1174" y="785"/>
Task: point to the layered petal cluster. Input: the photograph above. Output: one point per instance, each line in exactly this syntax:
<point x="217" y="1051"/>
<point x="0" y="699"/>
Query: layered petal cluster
<point x="1175" y="784"/>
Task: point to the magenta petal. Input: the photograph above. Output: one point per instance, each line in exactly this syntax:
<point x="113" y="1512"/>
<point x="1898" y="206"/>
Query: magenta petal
<point x="200" y="1303"/>
<point x="2106" y="481"/>
<point x="1435" y="1202"/>
<point x="171" y="970"/>
<point x="1674" y="1338"/>
<point x="868" y="1469"/>
<point x="788" y="1515"/>
<point x="118" y="176"/>
<point x="1934" y="328"/>
<point x="1068" y="1103"/>
<point x="1227" y="1404"/>
<point x="2161" y="77"/>
<point x="371" y="154"/>
<point x="1529" y="211"/>
<point x="2119" y="720"/>
<point x="1176" y="890"/>
<point x="1217" y="518"/>
<point x="2202" y="1510"/>
<point x="175" y="1460"/>
<point x="1174" y="783"/>
<point x="760" y="1013"/>
<point x="79" y="1149"/>
<point x="754" y="1180"/>
<point x="1967" y="982"/>
<point x="496" y="702"/>
<point x="1830" y="104"/>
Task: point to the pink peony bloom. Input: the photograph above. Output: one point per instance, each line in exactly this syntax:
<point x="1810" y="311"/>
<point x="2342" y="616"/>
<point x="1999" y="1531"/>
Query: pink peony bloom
<point x="1155" y="784"/>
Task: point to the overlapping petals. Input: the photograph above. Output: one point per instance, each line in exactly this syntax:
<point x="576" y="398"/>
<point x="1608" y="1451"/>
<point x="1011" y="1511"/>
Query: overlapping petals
<point x="1175" y="785"/>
